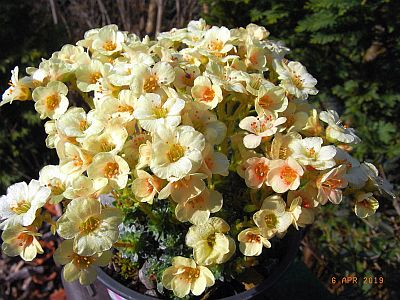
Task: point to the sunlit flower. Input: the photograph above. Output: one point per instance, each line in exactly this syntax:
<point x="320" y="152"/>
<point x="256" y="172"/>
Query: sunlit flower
<point x="296" y="80"/>
<point x="216" y="40"/>
<point x="214" y="162"/>
<point x="19" y="240"/>
<point x="308" y="197"/>
<point x="272" y="218"/>
<point x="185" y="188"/>
<point x="152" y="112"/>
<point x="146" y="186"/>
<point x="18" y="90"/>
<point x="335" y="130"/>
<point x="256" y="171"/>
<point x="206" y="92"/>
<point x="252" y="242"/>
<point x="271" y="100"/>
<point x="210" y="243"/>
<point x="22" y="201"/>
<point x="185" y="276"/>
<point x="330" y="184"/>
<point x="178" y="152"/>
<point x="284" y="175"/>
<point x="52" y="177"/>
<point x="51" y="100"/>
<point x="108" y="40"/>
<point x="93" y="229"/>
<point x="111" y="167"/>
<point x="310" y="152"/>
<point x="79" y="266"/>
<point x="259" y="127"/>
<point x="198" y="208"/>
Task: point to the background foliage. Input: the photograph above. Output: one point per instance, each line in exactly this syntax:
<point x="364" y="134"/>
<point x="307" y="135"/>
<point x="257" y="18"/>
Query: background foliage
<point x="351" y="46"/>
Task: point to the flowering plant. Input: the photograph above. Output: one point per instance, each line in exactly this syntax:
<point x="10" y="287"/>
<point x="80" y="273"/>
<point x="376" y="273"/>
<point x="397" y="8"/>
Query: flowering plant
<point x="186" y="154"/>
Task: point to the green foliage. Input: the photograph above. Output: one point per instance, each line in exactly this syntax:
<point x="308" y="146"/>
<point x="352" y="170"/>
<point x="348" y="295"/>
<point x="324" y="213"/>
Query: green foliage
<point x="352" y="48"/>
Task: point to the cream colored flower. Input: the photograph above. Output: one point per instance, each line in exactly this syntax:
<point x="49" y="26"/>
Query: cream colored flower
<point x="197" y="115"/>
<point x="280" y="144"/>
<point x="259" y="127"/>
<point x="271" y="100"/>
<point x="185" y="76"/>
<point x="19" y="240"/>
<point x="111" y="140"/>
<point x="210" y="243"/>
<point x="216" y="41"/>
<point x="88" y="75"/>
<point x="22" y="201"/>
<point x="178" y="152"/>
<point x="153" y="113"/>
<point x="296" y="80"/>
<point x="146" y="186"/>
<point x="335" y="130"/>
<point x="197" y="209"/>
<point x="207" y="93"/>
<point x="18" y="90"/>
<point x="310" y="152"/>
<point x="53" y="178"/>
<point x="296" y="119"/>
<point x="51" y="100"/>
<point x="79" y="266"/>
<point x="93" y="229"/>
<point x="84" y="187"/>
<point x="108" y="40"/>
<point x="74" y="160"/>
<point x="256" y="172"/>
<point x="309" y="203"/>
<point x="272" y="219"/>
<point x="366" y="205"/>
<point x="150" y="80"/>
<point x="284" y="175"/>
<point x="252" y="242"/>
<point x="214" y="162"/>
<point x="255" y="58"/>
<point x="185" y="188"/>
<point x="185" y="276"/>
<point x="111" y="167"/>
<point x="330" y="184"/>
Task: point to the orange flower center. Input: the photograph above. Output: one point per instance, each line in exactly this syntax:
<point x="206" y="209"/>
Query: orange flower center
<point x="288" y="175"/>
<point x="261" y="170"/>
<point x="52" y="101"/>
<point x="175" y="152"/>
<point x="150" y="84"/>
<point x="215" y="45"/>
<point x="265" y="101"/>
<point x="111" y="170"/>
<point x="24" y="239"/>
<point x="208" y="94"/>
<point x="109" y="46"/>
<point x="89" y="225"/>
<point x="82" y="262"/>
<point x="253" y="238"/>
<point x="189" y="274"/>
<point x="94" y="77"/>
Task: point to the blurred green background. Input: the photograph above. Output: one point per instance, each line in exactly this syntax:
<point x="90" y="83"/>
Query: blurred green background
<point x="353" y="49"/>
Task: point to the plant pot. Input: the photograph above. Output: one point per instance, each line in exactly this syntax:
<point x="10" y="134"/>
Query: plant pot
<point x="290" y="242"/>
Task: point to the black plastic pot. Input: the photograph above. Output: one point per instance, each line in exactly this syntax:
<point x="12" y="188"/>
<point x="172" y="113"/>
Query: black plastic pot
<point x="290" y="242"/>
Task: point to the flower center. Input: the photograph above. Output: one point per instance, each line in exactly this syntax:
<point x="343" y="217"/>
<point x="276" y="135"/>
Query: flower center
<point x="160" y="112"/>
<point x="188" y="79"/>
<point x="332" y="183"/>
<point x="297" y="81"/>
<point x="21" y="207"/>
<point x="56" y="186"/>
<point x="125" y="108"/>
<point x="265" y="102"/>
<point x="24" y="239"/>
<point x="270" y="220"/>
<point x="208" y="95"/>
<point x="191" y="274"/>
<point x="82" y="262"/>
<point x="261" y="170"/>
<point x="83" y="125"/>
<point x="94" y="77"/>
<point x="89" y="225"/>
<point x="175" y="152"/>
<point x="150" y="84"/>
<point x="109" y="46"/>
<point x="215" y="45"/>
<point x="253" y="238"/>
<point x="52" y="101"/>
<point x="288" y="175"/>
<point x="111" y="170"/>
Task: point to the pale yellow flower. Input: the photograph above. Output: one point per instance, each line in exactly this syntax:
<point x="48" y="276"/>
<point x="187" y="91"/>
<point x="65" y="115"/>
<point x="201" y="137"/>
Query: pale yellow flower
<point x="185" y="276"/>
<point x="51" y="100"/>
<point x="252" y="242"/>
<point x="210" y="243"/>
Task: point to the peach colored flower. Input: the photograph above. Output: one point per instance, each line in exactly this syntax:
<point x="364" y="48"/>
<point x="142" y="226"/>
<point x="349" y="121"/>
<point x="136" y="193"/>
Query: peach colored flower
<point x="284" y="175"/>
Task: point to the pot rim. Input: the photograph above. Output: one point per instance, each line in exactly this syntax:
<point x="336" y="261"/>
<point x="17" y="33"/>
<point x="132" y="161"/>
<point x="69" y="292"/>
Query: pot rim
<point x="293" y="243"/>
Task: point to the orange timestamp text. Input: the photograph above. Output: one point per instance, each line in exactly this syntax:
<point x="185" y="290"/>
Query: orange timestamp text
<point x="351" y="279"/>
